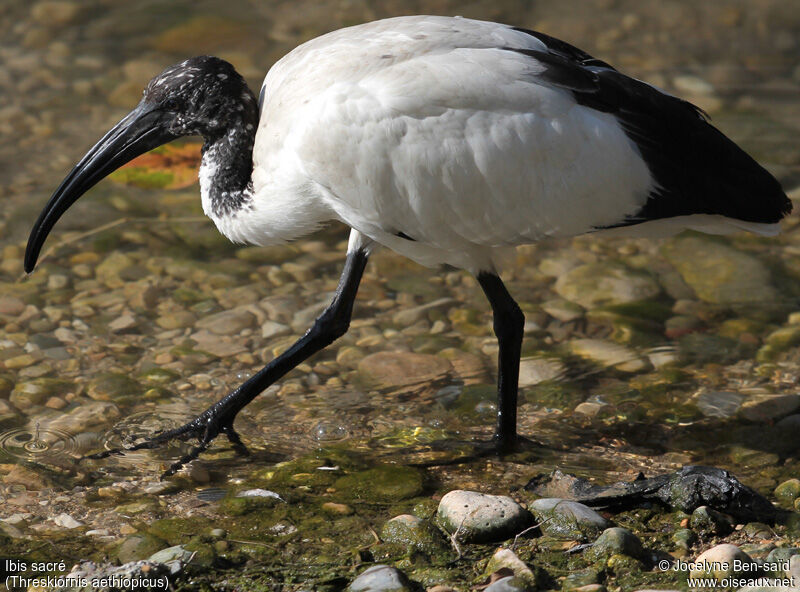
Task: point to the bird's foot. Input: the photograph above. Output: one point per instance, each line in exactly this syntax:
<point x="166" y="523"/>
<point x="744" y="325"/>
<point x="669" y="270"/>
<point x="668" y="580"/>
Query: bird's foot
<point x="205" y="427"/>
<point x="513" y="444"/>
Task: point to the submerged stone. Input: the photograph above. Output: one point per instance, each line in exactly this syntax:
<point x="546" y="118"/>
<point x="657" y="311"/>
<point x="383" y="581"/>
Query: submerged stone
<point x="385" y="483"/>
<point x="787" y="492"/>
<point x="37" y="391"/>
<point x="604" y="283"/>
<point x="724" y="274"/>
<point x="139" y="546"/>
<point x="609" y="354"/>
<point x="569" y="519"/>
<point x="480" y="517"/>
<point x="393" y="369"/>
<point x="112" y="386"/>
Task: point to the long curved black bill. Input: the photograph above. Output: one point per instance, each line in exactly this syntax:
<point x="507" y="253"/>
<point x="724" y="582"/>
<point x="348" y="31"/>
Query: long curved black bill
<point x="139" y="131"/>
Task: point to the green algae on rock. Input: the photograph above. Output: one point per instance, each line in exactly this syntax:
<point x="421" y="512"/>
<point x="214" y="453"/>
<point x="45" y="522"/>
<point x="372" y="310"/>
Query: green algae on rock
<point x="383" y="483"/>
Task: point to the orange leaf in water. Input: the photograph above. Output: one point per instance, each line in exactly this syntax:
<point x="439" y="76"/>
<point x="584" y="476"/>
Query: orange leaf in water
<point x="173" y="166"/>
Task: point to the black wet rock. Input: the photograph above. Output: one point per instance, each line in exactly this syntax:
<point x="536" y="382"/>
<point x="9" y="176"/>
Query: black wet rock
<point x="686" y="490"/>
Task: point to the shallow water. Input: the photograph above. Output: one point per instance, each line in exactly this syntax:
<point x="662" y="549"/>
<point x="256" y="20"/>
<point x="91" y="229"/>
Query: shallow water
<point x="106" y="341"/>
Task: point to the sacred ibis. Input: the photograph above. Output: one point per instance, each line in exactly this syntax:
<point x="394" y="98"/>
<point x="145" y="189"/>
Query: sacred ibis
<point x="448" y="140"/>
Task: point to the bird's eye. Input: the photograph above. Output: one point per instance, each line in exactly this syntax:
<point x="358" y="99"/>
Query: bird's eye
<point x="171" y="105"/>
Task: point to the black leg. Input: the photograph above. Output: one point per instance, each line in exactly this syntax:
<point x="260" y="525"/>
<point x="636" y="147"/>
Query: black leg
<point x="509" y="323"/>
<point x="329" y="326"/>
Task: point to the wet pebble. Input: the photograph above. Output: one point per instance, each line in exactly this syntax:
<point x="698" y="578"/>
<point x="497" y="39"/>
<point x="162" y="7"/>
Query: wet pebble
<point x="566" y="518"/>
<point x="381" y="578"/>
<point x="480" y="517"/>
<point x="617" y="541"/>
<point x="66" y="521"/>
<point x="506" y="559"/>
<point x="508" y="584"/>
<point x="10" y="305"/>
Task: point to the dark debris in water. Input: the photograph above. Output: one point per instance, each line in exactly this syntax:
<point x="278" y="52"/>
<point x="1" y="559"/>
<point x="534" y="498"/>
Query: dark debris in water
<point x="684" y="490"/>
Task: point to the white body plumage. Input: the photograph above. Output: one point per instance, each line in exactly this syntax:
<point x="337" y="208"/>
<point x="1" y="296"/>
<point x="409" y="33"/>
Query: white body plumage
<point x="428" y="128"/>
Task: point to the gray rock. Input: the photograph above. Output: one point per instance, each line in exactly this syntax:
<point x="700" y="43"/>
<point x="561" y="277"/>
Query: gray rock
<point x="173" y="557"/>
<point x="719" y="403"/>
<point x="135" y="570"/>
<point x="567" y="518"/>
<point x="229" y="322"/>
<point x="535" y="370"/>
<point x="768" y="407"/>
<point x="381" y="578"/>
<point x="480" y="517"/>
<point x="787" y="492"/>
<point x="721" y="561"/>
<point x="723" y="275"/>
<point x="617" y="541"/>
<point x="604" y="283"/>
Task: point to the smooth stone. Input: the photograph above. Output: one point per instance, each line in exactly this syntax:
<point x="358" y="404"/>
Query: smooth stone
<point x="718" y="557"/>
<point x="608" y="354"/>
<point x="112" y="386"/>
<point x="409" y="316"/>
<point x="566" y="518"/>
<point x="228" y="322"/>
<point x="563" y="310"/>
<point x="66" y="521"/>
<point x="415" y="533"/>
<point x="384" y="483"/>
<point x="723" y="275"/>
<point x="32" y="480"/>
<point x="11" y="306"/>
<point x="506" y="558"/>
<point x="481" y="517"/>
<point x="273" y="329"/>
<point x="617" y="541"/>
<point x="393" y="369"/>
<point x="605" y="283"/>
<point x="381" y="578"/>
<point x="762" y="408"/>
<point x="37" y="391"/>
<point x="719" y="403"/>
<point x="211" y="343"/>
<point x="176" y="553"/>
<point x="139" y="546"/>
<point x="787" y="492"/>
<point x="533" y="371"/>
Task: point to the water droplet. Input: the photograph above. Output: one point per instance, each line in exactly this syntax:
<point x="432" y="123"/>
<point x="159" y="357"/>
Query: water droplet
<point x="328" y="431"/>
<point x="39" y="444"/>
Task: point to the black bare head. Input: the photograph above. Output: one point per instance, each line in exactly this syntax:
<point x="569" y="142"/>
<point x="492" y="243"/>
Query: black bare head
<point x="202" y="96"/>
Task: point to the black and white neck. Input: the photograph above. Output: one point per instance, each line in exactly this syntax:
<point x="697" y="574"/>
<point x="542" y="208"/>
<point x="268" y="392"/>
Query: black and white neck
<point x="226" y="170"/>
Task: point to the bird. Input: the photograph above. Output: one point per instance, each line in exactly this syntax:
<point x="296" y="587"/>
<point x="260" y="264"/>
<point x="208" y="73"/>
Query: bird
<point x="448" y="140"/>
